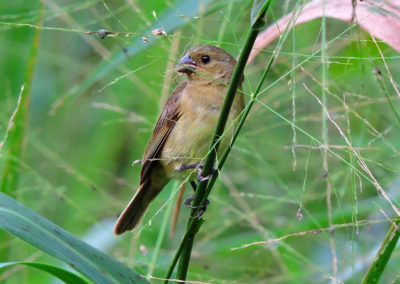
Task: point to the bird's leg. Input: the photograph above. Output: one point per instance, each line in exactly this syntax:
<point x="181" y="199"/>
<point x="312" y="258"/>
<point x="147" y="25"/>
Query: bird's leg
<point x="202" y="209"/>
<point x="199" y="167"/>
<point x="188" y="200"/>
<point x="200" y="178"/>
<point x="187" y="167"/>
<point x="194" y="185"/>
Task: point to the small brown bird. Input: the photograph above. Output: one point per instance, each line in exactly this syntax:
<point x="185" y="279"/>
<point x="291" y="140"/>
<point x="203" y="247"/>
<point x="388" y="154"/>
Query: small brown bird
<point x="184" y="130"/>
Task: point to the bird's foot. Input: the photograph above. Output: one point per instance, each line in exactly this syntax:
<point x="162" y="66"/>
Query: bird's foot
<point x="187" y="167"/>
<point x="200" y="178"/>
<point x="189" y="200"/>
<point x="203" y="208"/>
<point x="199" y="167"/>
<point x="194" y="185"/>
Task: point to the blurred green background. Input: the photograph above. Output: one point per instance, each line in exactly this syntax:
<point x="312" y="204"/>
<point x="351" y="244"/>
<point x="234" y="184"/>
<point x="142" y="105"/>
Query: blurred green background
<point x="88" y="122"/>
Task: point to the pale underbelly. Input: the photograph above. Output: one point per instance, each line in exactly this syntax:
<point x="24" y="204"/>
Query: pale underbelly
<point x="189" y="142"/>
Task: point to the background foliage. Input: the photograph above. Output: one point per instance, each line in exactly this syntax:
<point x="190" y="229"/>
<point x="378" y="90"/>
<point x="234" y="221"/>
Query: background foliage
<point x="314" y="224"/>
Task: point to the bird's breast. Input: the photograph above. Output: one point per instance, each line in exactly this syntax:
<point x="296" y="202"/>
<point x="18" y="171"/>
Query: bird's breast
<point x="191" y="136"/>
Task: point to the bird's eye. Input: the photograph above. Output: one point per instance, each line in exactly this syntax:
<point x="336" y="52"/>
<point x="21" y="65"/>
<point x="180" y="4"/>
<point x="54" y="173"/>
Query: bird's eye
<point x="205" y="59"/>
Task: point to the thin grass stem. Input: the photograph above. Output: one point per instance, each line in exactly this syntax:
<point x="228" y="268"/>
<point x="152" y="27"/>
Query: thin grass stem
<point x="200" y="194"/>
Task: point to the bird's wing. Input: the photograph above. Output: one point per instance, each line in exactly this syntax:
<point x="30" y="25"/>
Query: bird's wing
<point x="164" y="126"/>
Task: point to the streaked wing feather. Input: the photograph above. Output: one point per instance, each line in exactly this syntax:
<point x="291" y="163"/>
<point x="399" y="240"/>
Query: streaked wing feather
<point x="163" y="128"/>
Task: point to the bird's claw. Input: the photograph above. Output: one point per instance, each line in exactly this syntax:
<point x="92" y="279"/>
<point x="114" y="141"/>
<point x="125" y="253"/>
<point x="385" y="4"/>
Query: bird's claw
<point x="200" y="178"/>
<point x="201" y="212"/>
<point x="199" y="167"/>
<point x="185" y="167"/>
<point x="203" y="208"/>
<point x="187" y="202"/>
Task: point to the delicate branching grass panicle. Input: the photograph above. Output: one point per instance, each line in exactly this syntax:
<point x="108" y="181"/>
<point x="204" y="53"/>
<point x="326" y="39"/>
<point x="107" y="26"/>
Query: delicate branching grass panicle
<point x="325" y="140"/>
<point x="172" y="58"/>
<point x="226" y="19"/>
<point x="10" y="125"/>
<point x="115" y="17"/>
<point x="293" y="87"/>
<point x="382" y="85"/>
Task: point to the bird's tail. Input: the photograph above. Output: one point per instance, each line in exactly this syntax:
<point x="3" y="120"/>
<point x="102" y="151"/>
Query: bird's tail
<point x="137" y="207"/>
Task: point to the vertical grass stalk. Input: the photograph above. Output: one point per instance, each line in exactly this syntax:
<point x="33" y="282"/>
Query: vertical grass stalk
<point x="325" y="141"/>
<point x="378" y="265"/>
<point x="16" y="134"/>
<point x="17" y="130"/>
<point x="185" y="248"/>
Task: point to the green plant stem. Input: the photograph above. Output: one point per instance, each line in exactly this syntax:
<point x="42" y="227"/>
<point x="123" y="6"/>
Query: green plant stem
<point x="223" y="159"/>
<point x="238" y="128"/>
<point x="16" y="136"/>
<point x="377" y="267"/>
<point x="200" y="195"/>
<point x="193" y="226"/>
<point x="193" y="223"/>
<point x="256" y="93"/>
<point x="246" y="111"/>
<point x="187" y="251"/>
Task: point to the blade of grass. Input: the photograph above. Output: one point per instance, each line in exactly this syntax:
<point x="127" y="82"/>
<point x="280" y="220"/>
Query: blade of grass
<point x="193" y="227"/>
<point x="378" y="265"/>
<point x="51" y="239"/>
<point x="61" y="273"/>
<point x="258" y="13"/>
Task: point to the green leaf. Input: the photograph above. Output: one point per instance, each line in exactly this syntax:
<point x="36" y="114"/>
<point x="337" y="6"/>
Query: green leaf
<point x="46" y="236"/>
<point x="258" y="10"/>
<point x="169" y="21"/>
<point x="62" y="274"/>
<point x="383" y="256"/>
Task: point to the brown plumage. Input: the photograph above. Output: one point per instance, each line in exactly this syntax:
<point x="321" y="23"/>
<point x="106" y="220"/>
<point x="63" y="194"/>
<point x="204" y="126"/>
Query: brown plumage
<point x="184" y="130"/>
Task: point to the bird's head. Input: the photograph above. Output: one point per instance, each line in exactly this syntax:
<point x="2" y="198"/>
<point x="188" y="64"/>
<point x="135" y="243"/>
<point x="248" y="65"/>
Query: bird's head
<point x="207" y="62"/>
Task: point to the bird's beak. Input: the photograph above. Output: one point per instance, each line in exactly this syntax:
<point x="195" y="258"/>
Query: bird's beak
<point x="186" y="65"/>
